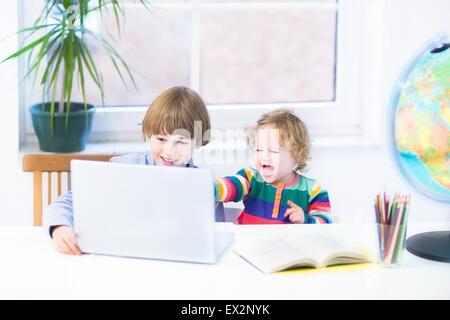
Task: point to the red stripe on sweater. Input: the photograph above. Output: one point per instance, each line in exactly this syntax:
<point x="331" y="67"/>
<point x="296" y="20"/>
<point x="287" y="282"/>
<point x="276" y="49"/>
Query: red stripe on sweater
<point x="231" y="190"/>
<point x="319" y="206"/>
<point x="245" y="218"/>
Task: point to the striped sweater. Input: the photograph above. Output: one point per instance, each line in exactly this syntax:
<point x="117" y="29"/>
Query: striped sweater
<point x="266" y="203"/>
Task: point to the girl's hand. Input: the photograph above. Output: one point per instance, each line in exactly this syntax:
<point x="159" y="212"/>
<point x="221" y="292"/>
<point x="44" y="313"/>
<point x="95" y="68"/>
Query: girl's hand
<point x="295" y="213"/>
<point x="65" y="241"/>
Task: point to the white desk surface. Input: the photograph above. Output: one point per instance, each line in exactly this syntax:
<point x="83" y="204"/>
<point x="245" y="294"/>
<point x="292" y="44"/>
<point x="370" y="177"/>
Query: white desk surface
<point x="31" y="268"/>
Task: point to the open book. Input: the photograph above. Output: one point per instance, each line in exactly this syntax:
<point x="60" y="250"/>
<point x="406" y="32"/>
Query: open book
<point x="278" y="254"/>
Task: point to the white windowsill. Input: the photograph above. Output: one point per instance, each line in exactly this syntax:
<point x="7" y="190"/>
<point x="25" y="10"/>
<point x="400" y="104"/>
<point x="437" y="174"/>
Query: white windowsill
<point x="97" y="147"/>
<point x="124" y="147"/>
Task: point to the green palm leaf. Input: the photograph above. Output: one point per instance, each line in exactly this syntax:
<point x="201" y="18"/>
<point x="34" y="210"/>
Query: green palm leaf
<point x="57" y="51"/>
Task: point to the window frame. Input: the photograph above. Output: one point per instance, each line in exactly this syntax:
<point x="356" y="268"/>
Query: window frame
<point x="355" y="117"/>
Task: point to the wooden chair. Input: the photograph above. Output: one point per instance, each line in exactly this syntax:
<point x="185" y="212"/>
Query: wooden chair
<point x="52" y="163"/>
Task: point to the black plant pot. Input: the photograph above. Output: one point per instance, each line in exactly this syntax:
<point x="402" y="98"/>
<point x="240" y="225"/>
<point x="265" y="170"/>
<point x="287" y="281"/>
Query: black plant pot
<point x="62" y="139"/>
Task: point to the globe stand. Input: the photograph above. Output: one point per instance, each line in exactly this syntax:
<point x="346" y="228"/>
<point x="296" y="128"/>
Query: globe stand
<point x="430" y="245"/>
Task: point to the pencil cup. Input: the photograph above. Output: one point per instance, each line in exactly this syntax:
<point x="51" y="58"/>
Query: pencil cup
<point x="391" y="243"/>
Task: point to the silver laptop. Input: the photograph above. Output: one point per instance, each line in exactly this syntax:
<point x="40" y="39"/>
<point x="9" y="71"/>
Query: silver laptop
<point x="146" y="211"/>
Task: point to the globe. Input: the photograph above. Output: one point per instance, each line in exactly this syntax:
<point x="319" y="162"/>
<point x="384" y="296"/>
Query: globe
<point x="419" y="135"/>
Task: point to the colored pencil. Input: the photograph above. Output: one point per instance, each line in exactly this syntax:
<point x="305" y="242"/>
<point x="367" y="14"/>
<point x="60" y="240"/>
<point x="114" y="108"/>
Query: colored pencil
<point x="391" y="216"/>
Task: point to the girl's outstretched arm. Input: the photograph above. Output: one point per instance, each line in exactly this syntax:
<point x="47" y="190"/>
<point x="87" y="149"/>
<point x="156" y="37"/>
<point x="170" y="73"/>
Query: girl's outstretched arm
<point x="233" y="188"/>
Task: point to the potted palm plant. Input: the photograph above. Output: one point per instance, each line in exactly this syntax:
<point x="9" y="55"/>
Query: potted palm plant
<point x="59" y="55"/>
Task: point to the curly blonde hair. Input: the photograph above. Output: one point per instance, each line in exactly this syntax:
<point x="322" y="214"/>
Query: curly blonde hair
<point x="292" y="132"/>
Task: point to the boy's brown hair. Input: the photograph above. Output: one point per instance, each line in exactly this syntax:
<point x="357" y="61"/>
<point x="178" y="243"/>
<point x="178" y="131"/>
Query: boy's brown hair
<point x="178" y="108"/>
<point x="293" y="134"/>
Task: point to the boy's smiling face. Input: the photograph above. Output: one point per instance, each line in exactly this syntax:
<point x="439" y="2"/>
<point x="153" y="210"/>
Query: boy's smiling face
<point x="274" y="162"/>
<point x="171" y="150"/>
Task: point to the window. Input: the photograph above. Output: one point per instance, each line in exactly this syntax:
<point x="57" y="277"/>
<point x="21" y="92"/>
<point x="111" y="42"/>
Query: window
<point x="244" y="58"/>
<point x="263" y="53"/>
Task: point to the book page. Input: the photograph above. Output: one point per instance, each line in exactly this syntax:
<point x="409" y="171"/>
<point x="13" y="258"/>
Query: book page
<point x="272" y="255"/>
<point x="326" y="251"/>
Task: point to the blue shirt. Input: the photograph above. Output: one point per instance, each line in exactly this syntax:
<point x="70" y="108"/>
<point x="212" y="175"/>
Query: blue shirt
<point x="60" y="212"/>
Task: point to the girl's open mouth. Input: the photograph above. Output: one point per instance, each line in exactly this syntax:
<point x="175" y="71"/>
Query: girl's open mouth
<point x="267" y="170"/>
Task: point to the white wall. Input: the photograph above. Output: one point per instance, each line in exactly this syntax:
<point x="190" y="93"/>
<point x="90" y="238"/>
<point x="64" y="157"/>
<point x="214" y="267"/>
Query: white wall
<point x="15" y="187"/>
<point x="358" y="174"/>
<point x="353" y="175"/>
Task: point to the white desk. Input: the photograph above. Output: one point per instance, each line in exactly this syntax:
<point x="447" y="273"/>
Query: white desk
<point x="31" y="268"/>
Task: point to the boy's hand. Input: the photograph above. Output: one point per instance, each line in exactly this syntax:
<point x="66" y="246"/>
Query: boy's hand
<point x="65" y="241"/>
<point x="295" y="213"/>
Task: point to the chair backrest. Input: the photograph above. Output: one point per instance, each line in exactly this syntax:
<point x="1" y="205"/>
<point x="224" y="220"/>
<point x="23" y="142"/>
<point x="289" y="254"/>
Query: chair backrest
<point x="52" y="163"/>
